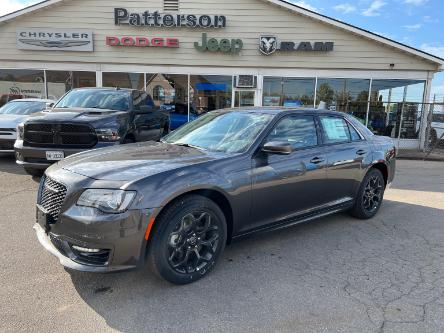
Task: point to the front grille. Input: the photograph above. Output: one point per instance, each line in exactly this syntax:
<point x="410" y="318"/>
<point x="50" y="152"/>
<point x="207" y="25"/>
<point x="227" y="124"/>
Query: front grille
<point x="8" y="130"/>
<point x="52" y="197"/>
<point x="59" y="135"/>
<point x="7" y="144"/>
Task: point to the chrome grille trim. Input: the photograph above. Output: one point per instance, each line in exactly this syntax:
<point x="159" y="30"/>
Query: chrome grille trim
<point x="52" y="196"/>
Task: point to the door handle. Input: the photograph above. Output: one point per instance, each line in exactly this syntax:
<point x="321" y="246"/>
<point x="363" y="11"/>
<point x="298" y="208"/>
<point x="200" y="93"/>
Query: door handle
<point x="316" y="160"/>
<point x="361" y="152"/>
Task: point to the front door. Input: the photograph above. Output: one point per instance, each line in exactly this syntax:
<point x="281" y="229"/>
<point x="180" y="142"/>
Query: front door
<point x="287" y="185"/>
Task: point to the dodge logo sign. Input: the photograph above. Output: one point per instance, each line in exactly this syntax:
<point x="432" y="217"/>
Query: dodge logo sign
<point x="267" y="44"/>
<point x="54" y="39"/>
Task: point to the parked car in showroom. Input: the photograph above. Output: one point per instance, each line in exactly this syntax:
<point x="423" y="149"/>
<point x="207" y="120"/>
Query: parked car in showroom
<point x="15" y="112"/>
<point x="230" y="173"/>
<point x="84" y="119"/>
<point x="179" y="114"/>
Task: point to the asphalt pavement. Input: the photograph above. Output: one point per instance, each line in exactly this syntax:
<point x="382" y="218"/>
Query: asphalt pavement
<point x="335" y="274"/>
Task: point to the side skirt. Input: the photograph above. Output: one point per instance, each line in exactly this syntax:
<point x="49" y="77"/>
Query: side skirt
<point x="298" y="219"/>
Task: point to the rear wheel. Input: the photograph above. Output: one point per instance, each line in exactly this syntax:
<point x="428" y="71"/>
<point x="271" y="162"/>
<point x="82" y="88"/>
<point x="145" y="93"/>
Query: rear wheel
<point x="370" y="195"/>
<point x="34" y="172"/>
<point x="187" y="240"/>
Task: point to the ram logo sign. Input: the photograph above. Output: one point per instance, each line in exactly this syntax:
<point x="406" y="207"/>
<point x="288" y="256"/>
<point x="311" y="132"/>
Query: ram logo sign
<point x="55" y="39"/>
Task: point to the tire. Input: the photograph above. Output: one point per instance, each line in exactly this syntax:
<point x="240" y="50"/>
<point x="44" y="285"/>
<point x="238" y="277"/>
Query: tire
<point x="433" y="138"/>
<point x="34" y="172"/>
<point x="370" y="195"/>
<point x="128" y="140"/>
<point x="164" y="131"/>
<point x="191" y="225"/>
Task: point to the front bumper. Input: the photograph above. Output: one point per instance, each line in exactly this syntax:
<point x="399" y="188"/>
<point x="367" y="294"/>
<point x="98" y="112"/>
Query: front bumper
<point x="66" y="261"/>
<point x="117" y="238"/>
<point x="35" y="157"/>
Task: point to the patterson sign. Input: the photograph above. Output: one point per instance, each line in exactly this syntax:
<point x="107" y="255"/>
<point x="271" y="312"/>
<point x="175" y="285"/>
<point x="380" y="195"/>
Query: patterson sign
<point x="155" y="19"/>
<point x="55" y="39"/>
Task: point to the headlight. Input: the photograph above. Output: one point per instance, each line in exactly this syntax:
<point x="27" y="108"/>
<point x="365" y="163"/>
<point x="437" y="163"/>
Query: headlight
<point x="108" y="201"/>
<point x="20" y="131"/>
<point x="108" y="134"/>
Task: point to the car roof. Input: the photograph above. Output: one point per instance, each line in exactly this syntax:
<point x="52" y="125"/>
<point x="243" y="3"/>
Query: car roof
<point x="107" y="88"/>
<point x="33" y="100"/>
<point x="274" y="110"/>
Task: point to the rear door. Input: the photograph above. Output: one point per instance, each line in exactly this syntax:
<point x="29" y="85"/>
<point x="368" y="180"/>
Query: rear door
<point x="285" y="185"/>
<point x="346" y="152"/>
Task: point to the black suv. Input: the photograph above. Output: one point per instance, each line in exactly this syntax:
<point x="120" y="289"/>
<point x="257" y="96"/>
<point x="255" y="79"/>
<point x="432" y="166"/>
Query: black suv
<point x="88" y="118"/>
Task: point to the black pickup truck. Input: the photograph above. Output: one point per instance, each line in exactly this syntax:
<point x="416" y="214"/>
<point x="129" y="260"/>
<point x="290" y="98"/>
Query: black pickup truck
<point x="88" y="118"/>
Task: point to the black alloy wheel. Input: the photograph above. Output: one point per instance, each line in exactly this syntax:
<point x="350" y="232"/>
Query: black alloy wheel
<point x="187" y="239"/>
<point x="370" y="195"/>
<point x="193" y="243"/>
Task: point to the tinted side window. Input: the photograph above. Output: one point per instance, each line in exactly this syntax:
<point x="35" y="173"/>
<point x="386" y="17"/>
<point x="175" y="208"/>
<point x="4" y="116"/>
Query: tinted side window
<point x="354" y="134"/>
<point x="334" y="129"/>
<point x="299" y="131"/>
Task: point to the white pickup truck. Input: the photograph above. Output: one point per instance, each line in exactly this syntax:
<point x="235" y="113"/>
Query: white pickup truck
<point x="437" y="127"/>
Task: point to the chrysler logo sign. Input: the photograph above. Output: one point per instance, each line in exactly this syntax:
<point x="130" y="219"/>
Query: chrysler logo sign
<point x="54" y="39"/>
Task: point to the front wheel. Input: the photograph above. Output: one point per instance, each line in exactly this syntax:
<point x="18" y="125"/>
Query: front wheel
<point x="370" y="195"/>
<point x="187" y="240"/>
<point x="34" y="172"/>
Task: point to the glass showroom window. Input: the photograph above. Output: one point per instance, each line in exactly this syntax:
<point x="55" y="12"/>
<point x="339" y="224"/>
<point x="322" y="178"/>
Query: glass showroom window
<point x="396" y="108"/>
<point x="60" y="82"/>
<point x="123" y="80"/>
<point x="345" y="95"/>
<point x="170" y="94"/>
<point x="21" y="83"/>
<point x="286" y="91"/>
<point x="210" y="92"/>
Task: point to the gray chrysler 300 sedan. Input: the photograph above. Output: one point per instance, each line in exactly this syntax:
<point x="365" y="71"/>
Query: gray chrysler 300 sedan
<point x="177" y="203"/>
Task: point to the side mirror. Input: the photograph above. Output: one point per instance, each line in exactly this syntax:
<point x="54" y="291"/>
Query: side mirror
<point x="277" y="147"/>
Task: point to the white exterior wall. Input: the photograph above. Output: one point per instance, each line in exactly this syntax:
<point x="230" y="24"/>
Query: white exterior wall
<point x="246" y="19"/>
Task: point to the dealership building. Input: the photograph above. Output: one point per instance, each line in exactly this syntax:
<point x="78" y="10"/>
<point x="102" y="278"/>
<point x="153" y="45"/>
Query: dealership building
<point x="197" y="56"/>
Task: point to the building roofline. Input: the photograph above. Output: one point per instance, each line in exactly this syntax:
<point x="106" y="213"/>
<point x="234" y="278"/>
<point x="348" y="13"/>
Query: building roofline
<point x="290" y="6"/>
<point x="28" y="9"/>
<point x="359" y="31"/>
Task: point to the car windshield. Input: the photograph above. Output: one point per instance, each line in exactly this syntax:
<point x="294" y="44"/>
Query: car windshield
<point x="23" y="107"/>
<point x="117" y="100"/>
<point x="231" y="132"/>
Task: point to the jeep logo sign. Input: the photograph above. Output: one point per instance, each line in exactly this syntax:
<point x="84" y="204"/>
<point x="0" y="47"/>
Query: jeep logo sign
<point x="233" y="46"/>
<point x="55" y="39"/>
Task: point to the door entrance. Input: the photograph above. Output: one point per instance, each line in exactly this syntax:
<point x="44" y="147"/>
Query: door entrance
<point x="244" y="98"/>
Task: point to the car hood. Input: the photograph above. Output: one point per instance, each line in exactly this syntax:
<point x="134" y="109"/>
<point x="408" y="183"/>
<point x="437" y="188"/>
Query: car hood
<point x="135" y="161"/>
<point x="75" y="115"/>
<point x="11" y="120"/>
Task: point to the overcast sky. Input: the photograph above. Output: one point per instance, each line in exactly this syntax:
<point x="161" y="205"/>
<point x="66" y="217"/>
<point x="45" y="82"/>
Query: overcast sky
<point x="413" y="22"/>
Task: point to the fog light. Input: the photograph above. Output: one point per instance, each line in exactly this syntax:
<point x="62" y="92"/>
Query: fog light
<point x="84" y="249"/>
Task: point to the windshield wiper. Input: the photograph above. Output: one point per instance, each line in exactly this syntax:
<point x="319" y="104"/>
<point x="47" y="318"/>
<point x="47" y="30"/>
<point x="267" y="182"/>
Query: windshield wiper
<point x="182" y="144"/>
